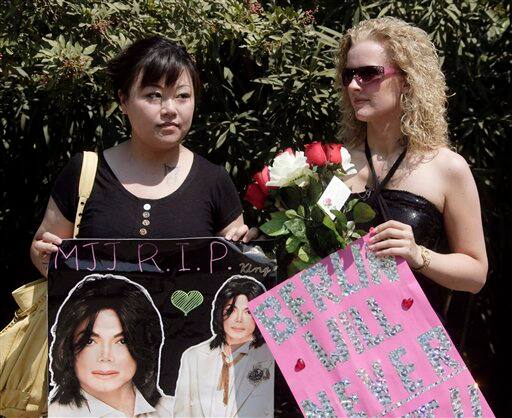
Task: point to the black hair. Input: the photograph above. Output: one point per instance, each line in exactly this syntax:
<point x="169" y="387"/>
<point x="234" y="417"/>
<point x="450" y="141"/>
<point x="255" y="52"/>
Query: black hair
<point x="234" y="287"/>
<point x="156" y="58"/>
<point x="141" y="328"/>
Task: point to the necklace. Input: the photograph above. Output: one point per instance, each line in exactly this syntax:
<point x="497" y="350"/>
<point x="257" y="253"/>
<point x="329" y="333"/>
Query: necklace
<point x="377" y="175"/>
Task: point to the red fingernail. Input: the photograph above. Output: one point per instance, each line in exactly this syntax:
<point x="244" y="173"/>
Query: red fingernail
<point x="372" y="230"/>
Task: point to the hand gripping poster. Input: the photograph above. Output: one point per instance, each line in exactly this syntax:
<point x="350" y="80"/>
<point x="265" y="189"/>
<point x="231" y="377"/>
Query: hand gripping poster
<point x="158" y="328"/>
<point x="355" y="336"/>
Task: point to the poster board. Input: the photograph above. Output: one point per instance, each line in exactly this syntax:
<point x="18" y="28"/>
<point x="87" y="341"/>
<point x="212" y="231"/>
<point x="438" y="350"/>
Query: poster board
<point x="355" y="336"/>
<point x="167" y="319"/>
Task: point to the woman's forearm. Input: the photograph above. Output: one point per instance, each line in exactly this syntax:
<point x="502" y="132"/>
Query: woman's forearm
<point x="457" y="271"/>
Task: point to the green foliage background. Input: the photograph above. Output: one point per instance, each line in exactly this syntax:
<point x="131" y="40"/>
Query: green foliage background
<point x="268" y="71"/>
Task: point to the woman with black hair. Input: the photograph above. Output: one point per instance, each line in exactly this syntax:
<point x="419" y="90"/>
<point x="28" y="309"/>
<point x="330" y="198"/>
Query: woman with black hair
<point x="149" y="186"/>
<point x="232" y="373"/>
<point x="105" y="353"/>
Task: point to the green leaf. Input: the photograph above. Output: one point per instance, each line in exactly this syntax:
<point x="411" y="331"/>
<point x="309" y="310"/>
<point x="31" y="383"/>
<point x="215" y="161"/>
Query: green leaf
<point x="46" y="134"/>
<point x="21" y="71"/>
<point x="329" y="223"/>
<point x="303" y="255"/>
<point x="314" y="190"/>
<point x="228" y="75"/>
<point x="363" y="213"/>
<point x="221" y="139"/>
<point x="301" y="212"/>
<point x="292" y="243"/>
<point x="279" y="216"/>
<point x="296" y="227"/>
<point x="296" y="265"/>
<point x="341" y="226"/>
<point x="89" y="50"/>
<point x="351" y="204"/>
<point x="111" y="109"/>
<point x="247" y="96"/>
<point x="340" y="216"/>
<point x="275" y="226"/>
<point x="291" y="213"/>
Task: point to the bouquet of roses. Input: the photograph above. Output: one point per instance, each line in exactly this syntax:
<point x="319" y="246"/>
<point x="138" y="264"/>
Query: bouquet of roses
<point x="305" y="202"/>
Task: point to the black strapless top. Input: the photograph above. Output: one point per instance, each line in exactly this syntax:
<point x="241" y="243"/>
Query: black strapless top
<point x="411" y="209"/>
<point x="417" y="211"/>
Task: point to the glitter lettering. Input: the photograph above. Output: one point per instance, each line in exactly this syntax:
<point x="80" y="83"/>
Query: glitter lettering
<point x="438" y="355"/>
<point x="271" y="323"/>
<point x="424" y="411"/>
<point x="337" y="265"/>
<point x="404" y="370"/>
<point x="347" y="401"/>
<point x="294" y="304"/>
<point x="340" y="355"/>
<point x="386" y="265"/>
<point x="378" y="386"/>
<point x="319" y="290"/>
<point x="358" y="261"/>
<point x="458" y="412"/>
<point x="313" y="411"/>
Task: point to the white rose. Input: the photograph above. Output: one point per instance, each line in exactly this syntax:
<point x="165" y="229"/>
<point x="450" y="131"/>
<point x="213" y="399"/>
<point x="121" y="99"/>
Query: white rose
<point x="288" y="169"/>
<point x="348" y="167"/>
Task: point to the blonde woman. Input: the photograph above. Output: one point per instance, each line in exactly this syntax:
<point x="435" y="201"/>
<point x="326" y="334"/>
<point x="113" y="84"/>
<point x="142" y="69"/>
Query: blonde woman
<point x="393" y="106"/>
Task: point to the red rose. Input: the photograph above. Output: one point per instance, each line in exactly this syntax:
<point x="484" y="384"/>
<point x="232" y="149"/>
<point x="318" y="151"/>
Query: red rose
<point x="255" y="196"/>
<point x="261" y="178"/>
<point x="288" y="150"/>
<point x="315" y="153"/>
<point x="333" y="152"/>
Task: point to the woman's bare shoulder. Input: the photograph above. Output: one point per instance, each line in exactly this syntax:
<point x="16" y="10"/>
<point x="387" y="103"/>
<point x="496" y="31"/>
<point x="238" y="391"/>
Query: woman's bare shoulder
<point x="451" y="164"/>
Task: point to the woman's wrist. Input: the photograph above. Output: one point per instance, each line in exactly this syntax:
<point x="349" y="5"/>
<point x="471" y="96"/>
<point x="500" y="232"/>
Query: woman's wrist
<point x="425" y="256"/>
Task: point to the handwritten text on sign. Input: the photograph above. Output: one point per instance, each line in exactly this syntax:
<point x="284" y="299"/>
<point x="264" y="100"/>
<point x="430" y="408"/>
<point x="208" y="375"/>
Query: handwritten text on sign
<point x="355" y="336"/>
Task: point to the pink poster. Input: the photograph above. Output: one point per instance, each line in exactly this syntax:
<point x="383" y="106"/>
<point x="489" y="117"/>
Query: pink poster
<point x="355" y="336"/>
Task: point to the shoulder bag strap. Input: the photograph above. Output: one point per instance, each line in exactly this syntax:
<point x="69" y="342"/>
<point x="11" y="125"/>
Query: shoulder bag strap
<point x="87" y="175"/>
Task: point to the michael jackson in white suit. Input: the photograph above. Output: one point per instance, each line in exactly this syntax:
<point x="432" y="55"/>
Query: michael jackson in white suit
<point x="232" y="373"/>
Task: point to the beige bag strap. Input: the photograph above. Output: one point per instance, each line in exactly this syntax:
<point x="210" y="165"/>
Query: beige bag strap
<point x="87" y="175"/>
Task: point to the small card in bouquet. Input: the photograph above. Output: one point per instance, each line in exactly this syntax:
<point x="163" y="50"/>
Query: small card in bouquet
<point x="334" y="196"/>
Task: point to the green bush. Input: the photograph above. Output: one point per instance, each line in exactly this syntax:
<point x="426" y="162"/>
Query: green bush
<point x="267" y="69"/>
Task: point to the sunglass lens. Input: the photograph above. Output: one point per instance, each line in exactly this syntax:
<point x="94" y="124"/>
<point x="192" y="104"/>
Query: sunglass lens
<point x="346" y="76"/>
<point x="370" y="73"/>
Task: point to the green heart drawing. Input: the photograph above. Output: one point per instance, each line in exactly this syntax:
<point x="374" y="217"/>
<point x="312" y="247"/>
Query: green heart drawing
<point x="186" y="302"/>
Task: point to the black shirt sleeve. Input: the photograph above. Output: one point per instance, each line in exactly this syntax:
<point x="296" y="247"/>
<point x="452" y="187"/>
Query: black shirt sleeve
<point x="225" y="199"/>
<point x="65" y="188"/>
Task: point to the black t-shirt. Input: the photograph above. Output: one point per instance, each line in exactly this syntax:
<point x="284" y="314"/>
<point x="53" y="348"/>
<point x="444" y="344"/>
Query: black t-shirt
<point x="205" y="203"/>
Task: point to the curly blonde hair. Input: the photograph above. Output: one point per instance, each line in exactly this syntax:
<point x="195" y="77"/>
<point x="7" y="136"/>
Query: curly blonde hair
<point x="423" y="103"/>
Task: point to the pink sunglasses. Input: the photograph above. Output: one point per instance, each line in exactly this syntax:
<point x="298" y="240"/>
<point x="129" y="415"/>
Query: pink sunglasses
<point x="367" y="74"/>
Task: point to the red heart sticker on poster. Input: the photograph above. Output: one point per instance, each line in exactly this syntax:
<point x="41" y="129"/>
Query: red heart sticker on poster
<point x="299" y="365"/>
<point x="407" y="303"/>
